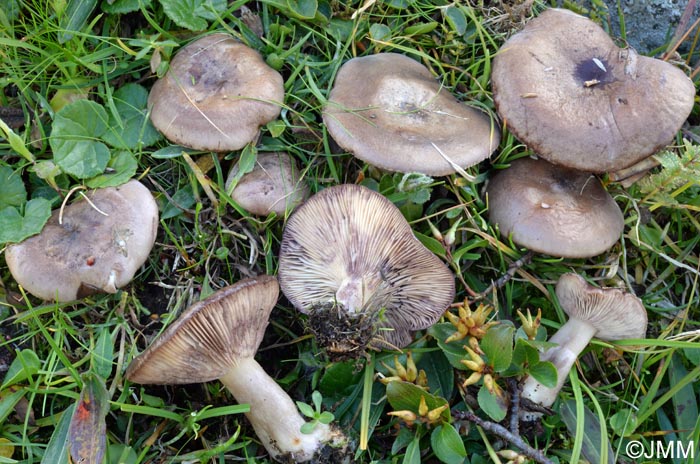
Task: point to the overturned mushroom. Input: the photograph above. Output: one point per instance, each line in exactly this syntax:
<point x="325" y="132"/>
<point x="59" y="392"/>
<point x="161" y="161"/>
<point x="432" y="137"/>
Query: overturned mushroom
<point x="216" y="95"/>
<point x="565" y="89"/>
<point x="609" y="314"/>
<point x="554" y="210"/>
<point x="348" y="251"/>
<point x="274" y="185"/>
<point x="93" y="245"/>
<point x="388" y="110"/>
<point x="217" y="339"/>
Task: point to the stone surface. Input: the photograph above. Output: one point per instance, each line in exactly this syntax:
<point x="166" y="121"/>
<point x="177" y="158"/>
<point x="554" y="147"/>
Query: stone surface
<point x="649" y="24"/>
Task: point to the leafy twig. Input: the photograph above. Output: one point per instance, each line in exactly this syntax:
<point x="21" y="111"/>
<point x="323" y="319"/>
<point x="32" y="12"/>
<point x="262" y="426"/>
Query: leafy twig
<point x="505" y="434"/>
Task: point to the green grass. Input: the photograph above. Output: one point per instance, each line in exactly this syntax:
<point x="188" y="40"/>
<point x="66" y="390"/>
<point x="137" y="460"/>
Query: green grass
<point x="643" y="390"/>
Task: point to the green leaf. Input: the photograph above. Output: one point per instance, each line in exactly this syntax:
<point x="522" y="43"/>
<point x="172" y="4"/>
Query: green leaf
<point x="305" y="409"/>
<point x="121" y="168"/>
<point x="16" y="142"/>
<point x="308" y="427"/>
<point x="129" y="127"/>
<point x="88" y="426"/>
<point x="15" y="227"/>
<point x="412" y="455"/>
<point x="380" y="32"/>
<point x="545" y="373"/>
<point x="447" y="444"/>
<point x="338" y="379"/>
<point x="8" y="402"/>
<point x="684" y="401"/>
<point x="102" y="354"/>
<point x="74" y="18"/>
<point x="431" y="244"/>
<point x="623" y="422"/>
<point x="456" y="18"/>
<point x="303" y="9"/>
<point x="12" y="191"/>
<point x="246" y="163"/>
<point x="592" y="431"/>
<point x="439" y="373"/>
<point x="193" y="14"/>
<point x="491" y="404"/>
<point x="25" y="365"/>
<point x="75" y="139"/>
<point x="56" y="451"/>
<point x="497" y="345"/>
<point x="124" y="6"/>
<point x="420" y="29"/>
<point x="407" y="396"/>
<point x="453" y="351"/>
<point x="326" y="417"/>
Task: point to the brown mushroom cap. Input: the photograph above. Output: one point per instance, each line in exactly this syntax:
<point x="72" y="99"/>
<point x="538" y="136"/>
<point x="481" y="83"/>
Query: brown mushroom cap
<point x="216" y="95"/>
<point x="274" y="185"/>
<point x="388" y="110"/>
<point x="210" y="337"/>
<point x="614" y="313"/>
<point x="88" y="251"/>
<point x="554" y="210"/>
<point x="566" y="90"/>
<point x="349" y="244"/>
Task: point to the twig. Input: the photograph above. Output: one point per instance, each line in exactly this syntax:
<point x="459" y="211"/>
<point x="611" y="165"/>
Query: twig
<point x="504" y="434"/>
<point x="514" y="387"/>
<point x="512" y="269"/>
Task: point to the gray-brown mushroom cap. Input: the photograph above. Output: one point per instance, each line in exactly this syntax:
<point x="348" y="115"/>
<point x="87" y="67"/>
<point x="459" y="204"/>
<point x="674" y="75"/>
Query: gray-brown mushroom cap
<point x="350" y="245"/>
<point x="87" y="251"/>
<point x="216" y="95"/>
<point x="566" y="90"/>
<point x="614" y="313"/>
<point x="389" y="111"/>
<point x="210" y="337"/>
<point x="274" y="185"/>
<point x="554" y="210"/>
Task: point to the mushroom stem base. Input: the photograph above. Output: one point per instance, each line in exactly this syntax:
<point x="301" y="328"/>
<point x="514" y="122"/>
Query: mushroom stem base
<point x="274" y="415"/>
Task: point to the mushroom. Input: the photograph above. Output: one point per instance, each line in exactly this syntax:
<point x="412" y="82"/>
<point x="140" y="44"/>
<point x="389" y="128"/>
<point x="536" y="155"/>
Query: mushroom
<point x="217" y="338"/>
<point x="216" y="95"/>
<point x="274" y="185"/>
<point x="348" y="251"/>
<point x="567" y="91"/>
<point x="554" y="210"/>
<point x="93" y="245"/>
<point x="388" y="110"/>
<point x="606" y="313"/>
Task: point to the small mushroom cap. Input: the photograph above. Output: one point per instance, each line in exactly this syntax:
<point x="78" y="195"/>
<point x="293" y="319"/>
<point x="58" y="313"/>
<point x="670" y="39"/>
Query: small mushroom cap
<point x="388" y="110"/>
<point x="89" y="251"/>
<point x="615" y="314"/>
<point x="350" y="244"/>
<point x="554" y="210"/>
<point x="210" y="337"/>
<point x="216" y="95"/>
<point x="274" y="185"/>
<point x="567" y="91"/>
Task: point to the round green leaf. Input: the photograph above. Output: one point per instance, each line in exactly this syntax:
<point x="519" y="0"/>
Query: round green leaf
<point x="15" y="227"/>
<point x="492" y="405"/>
<point x="75" y="136"/>
<point x="447" y="444"/>
<point x="545" y="373"/>
<point x="497" y="345"/>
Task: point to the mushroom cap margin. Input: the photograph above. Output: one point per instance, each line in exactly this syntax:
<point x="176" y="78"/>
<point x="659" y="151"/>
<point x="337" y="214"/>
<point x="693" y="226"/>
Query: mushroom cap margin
<point x="615" y="314"/>
<point x="209" y="337"/>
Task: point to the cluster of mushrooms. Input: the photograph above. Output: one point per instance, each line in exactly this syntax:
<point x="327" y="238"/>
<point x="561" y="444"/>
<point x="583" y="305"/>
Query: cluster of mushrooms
<point x="561" y="86"/>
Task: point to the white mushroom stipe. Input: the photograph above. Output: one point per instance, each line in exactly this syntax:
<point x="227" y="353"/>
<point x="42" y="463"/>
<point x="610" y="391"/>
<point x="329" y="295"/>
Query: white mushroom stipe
<point x="606" y="313"/>
<point x="273" y="414"/>
<point x="217" y="339"/>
